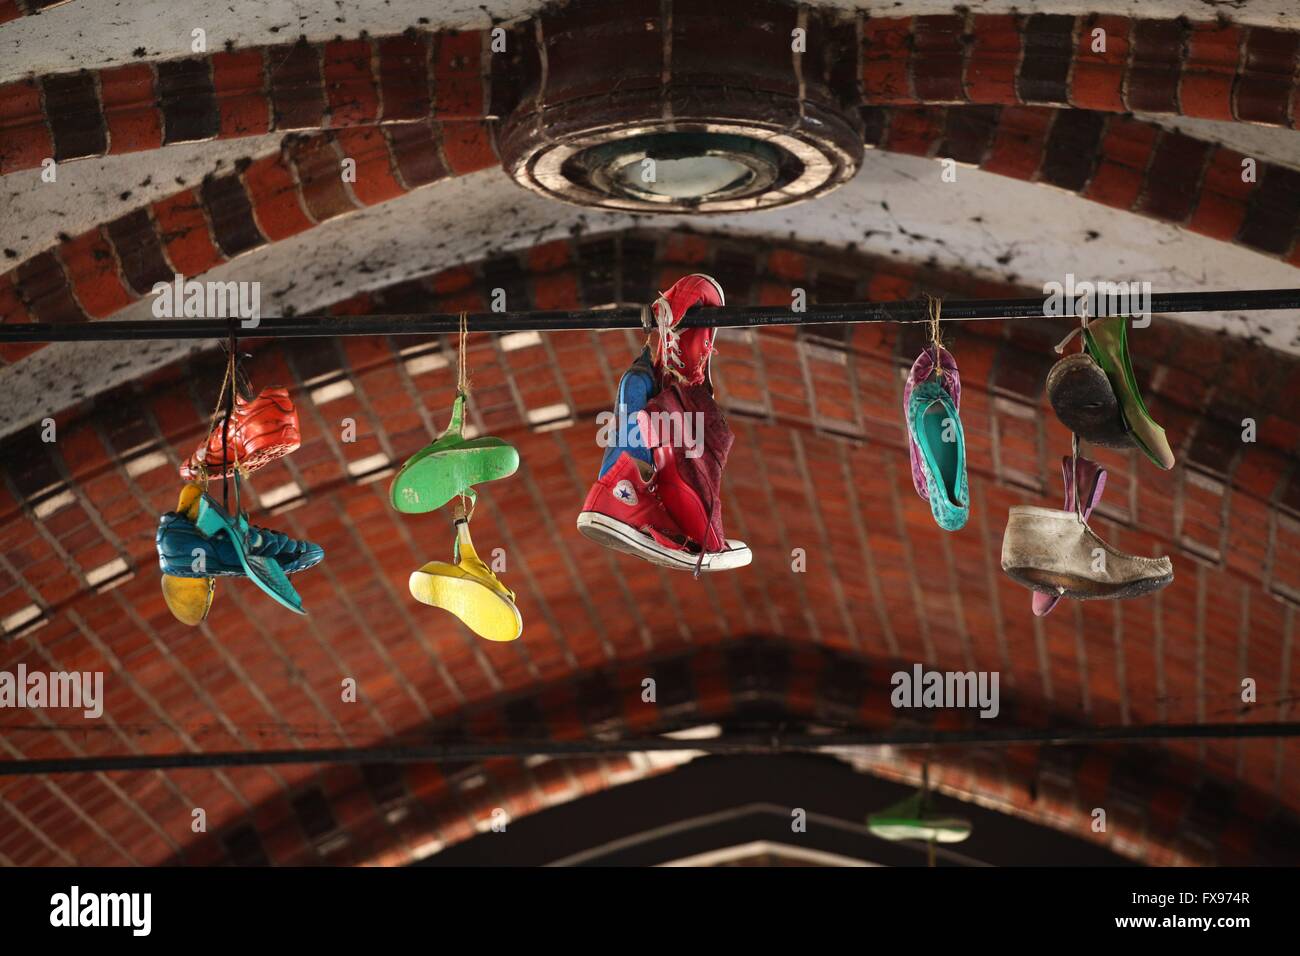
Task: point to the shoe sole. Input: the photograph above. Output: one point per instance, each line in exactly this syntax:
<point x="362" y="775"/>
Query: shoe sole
<point x="429" y="483"/>
<point x="463" y="597"/>
<point x="1132" y="589"/>
<point x="181" y="566"/>
<point x="1084" y="402"/>
<point x="282" y="442"/>
<point x="623" y="537"/>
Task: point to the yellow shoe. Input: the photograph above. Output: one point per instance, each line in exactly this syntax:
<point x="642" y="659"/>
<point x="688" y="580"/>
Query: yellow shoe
<point x="469" y="590"/>
<point x="188" y="505"/>
<point x="189" y="599"/>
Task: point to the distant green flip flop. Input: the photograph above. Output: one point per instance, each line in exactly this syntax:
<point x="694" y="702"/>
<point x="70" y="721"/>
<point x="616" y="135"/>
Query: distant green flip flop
<point x="266" y="573"/>
<point x="911" y="819"/>
<point x="1107" y="343"/>
<point x="449" y="466"/>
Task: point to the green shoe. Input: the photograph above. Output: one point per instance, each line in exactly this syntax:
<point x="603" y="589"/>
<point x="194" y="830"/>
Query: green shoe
<point x="266" y="573"/>
<point x="449" y="466"/>
<point x="1107" y="343"/>
<point x="911" y="819"/>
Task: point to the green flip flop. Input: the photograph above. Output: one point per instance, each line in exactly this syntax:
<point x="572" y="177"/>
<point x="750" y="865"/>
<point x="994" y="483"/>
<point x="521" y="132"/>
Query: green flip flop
<point x="449" y="466"/>
<point x="266" y="573"/>
<point x="1107" y="342"/>
<point x="911" y="819"/>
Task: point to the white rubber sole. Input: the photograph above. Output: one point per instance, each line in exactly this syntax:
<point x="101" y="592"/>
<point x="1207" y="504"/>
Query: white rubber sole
<point x="615" y="534"/>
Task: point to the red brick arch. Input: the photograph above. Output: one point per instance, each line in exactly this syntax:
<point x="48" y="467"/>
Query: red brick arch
<point x="97" y="273"/>
<point x="1116" y="161"/>
<point x="819" y="462"/>
<point x="13" y="9"/>
<point x="368" y="815"/>
<point x="406" y="78"/>
<point x="1113" y="160"/>
<point x="1209" y="69"/>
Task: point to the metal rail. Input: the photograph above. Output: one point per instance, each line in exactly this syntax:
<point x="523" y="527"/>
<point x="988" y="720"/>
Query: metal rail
<point x="746" y="743"/>
<point x="623" y="317"/>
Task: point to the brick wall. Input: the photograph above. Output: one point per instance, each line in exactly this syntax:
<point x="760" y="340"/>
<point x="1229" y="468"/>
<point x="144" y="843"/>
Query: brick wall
<point x="819" y="463"/>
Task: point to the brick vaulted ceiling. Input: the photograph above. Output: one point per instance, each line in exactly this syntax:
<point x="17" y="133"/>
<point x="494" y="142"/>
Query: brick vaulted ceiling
<point x="1149" y="137"/>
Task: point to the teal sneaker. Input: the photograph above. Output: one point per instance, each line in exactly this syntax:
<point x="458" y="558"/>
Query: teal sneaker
<point x="265" y="572"/>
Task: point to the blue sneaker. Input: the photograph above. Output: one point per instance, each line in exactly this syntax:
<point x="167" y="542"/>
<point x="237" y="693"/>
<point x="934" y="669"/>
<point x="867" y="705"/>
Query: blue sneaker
<point x="635" y="388"/>
<point x="931" y="400"/>
<point x="178" y="539"/>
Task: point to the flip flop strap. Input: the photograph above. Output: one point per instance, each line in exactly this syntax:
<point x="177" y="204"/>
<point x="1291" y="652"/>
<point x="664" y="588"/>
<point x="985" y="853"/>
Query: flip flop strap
<point x="456" y="426"/>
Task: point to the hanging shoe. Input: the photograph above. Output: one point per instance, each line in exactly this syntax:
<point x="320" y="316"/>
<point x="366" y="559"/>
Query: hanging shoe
<point x="1056" y="553"/>
<point x="623" y="512"/>
<point x="470" y="590"/>
<point x="449" y="466"/>
<point x="1085" y="402"/>
<point x="684" y="355"/>
<point x="912" y="819"/>
<point x="260" y="432"/>
<point x="265" y="572"/>
<point x="1091" y="483"/>
<point x="178" y="539"/>
<point x="690" y="485"/>
<point x="1107" y="342"/>
<point x="719" y="553"/>
<point x="936" y="441"/>
<point x="635" y="388"/>
<point x="188" y="598"/>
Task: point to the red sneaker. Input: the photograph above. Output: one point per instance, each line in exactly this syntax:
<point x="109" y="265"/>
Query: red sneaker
<point x="685" y="355"/>
<point x="687" y="508"/>
<point x="260" y="432"/>
<point x="622" y="512"/>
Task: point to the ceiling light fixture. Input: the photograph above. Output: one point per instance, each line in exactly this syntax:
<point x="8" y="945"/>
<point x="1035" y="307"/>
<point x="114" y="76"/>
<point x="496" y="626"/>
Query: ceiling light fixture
<point x="711" y="109"/>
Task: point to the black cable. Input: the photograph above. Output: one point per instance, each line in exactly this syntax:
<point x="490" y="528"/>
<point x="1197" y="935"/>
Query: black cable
<point x="625" y="317"/>
<point x="749" y="743"/>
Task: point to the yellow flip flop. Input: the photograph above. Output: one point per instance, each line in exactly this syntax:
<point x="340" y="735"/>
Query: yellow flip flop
<point x="469" y="590"/>
<point x="189" y="599"/>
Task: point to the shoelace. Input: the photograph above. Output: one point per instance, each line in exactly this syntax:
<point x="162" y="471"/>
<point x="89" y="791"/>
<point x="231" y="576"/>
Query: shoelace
<point x="670" y="345"/>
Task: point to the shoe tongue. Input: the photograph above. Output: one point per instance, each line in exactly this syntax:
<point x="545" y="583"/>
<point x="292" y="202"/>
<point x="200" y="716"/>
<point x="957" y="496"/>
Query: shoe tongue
<point x="1091" y="482"/>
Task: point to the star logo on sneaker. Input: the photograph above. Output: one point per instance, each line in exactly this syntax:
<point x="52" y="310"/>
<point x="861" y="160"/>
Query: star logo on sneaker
<point x="625" y="493"/>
